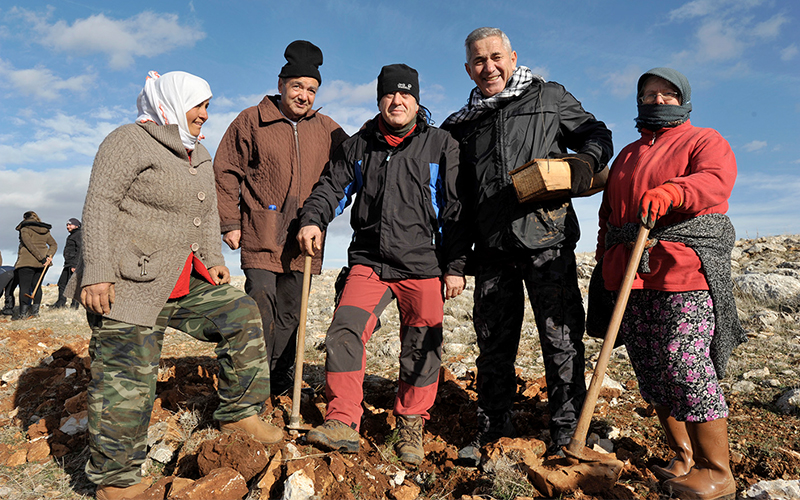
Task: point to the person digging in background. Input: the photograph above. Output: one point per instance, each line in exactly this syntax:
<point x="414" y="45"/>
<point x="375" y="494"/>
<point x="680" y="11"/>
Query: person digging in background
<point x="407" y="234"/>
<point x="680" y="325"/>
<point x="511" y="118"/>
<point x="72" y="250"/>
<point x="151" y="259"/>
<point x="35" y="255"/>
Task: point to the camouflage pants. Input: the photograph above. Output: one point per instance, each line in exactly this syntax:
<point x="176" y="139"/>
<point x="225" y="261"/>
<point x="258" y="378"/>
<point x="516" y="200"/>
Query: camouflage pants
<point x="125" y="360"/>
<point x="551" y="279"/>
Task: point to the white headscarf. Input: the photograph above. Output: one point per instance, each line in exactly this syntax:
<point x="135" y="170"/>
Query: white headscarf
<point x="166" y="98"/>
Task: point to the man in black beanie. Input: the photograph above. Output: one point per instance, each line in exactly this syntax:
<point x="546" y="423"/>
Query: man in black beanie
<point x="72" y="249"/>
<point x="266" y="164"/>
<point x="408" y="244"/>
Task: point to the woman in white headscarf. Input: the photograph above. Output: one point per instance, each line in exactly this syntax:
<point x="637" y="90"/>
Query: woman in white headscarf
<point x="151" y="258"/>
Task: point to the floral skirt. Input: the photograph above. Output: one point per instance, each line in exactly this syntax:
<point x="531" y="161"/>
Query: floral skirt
<point x="668" y="337"/>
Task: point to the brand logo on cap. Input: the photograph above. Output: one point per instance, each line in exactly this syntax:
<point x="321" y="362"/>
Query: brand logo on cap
<point x="404" y="86"/>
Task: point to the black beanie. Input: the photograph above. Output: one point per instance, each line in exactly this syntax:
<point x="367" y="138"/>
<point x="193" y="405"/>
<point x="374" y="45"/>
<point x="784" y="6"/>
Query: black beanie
<point x="398" y="78"/>
<point x="303" y="59"/>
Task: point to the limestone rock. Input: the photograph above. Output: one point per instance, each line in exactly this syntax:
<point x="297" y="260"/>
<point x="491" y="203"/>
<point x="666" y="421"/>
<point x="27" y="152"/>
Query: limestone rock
<point x="298" y="487"/>
<point x="789" y="402"/>
<point x="773" y="490"/>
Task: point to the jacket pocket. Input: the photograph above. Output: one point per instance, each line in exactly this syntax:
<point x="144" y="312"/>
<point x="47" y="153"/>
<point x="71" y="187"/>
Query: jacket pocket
<point x="265" y="231"/>
<point x="139" y="265"/>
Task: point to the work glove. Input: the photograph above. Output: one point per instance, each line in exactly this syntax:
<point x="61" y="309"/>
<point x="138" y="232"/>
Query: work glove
<point x="657" y="202"/>
<point x="581" y="170"/>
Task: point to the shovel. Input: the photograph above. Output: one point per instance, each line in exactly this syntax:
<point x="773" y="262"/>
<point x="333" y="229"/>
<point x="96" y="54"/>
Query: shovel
<point x="36" y="288"/>
<point x="294" y="419"/>
<point x="577" y="447"/>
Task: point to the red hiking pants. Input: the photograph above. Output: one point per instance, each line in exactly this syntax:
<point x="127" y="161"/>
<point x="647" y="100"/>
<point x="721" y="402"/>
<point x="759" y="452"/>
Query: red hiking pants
<point x="364" y="298"/>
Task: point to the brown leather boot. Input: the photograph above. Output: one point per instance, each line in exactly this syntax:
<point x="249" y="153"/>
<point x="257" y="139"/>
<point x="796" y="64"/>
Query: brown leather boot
<point x="106" y="492"/>
<point x="256" y="428"/>
<point x="711" y="477"/>
<point x="679" y="442"/>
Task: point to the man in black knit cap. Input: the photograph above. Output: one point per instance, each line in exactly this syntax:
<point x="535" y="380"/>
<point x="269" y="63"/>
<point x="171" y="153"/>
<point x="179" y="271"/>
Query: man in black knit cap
<point x="266" y="164"/>
<point x="408" y="244"/>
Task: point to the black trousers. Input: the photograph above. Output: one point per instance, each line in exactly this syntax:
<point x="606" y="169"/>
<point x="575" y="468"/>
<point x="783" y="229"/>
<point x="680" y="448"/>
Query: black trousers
<point x="27" y="278"/>
<point x="66" y="273"/>
<point x="551" y="279"/>
<point x="278" y="296"/>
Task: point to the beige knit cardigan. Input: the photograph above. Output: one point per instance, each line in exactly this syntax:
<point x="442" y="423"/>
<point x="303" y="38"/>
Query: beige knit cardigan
<point x="146" y="209"/>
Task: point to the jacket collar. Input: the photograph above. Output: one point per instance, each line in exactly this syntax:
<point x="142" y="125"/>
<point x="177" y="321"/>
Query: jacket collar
<point x="168" y="136"/>
<point x="268" y="110"/>
<point x="648" y="135"/>
<point x="374" y="131"/>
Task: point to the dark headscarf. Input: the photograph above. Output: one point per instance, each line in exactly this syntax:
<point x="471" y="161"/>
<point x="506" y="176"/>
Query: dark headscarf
<point x="657" y="116"/>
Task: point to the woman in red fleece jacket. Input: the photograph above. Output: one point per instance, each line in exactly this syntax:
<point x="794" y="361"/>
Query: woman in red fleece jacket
<point x="671" y="180"/>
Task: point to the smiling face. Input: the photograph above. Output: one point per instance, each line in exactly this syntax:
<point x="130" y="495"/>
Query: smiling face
<point x="196" y="117"/>
<point x="297" y="96"/>
<point x="490" y="65"/>
<point x="398" y="109"/>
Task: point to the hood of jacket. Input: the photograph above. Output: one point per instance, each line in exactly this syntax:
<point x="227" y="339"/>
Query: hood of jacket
<point x="38" y="227"/>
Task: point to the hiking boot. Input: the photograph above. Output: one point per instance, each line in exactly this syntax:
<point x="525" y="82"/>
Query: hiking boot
<point x="255" y="427"/>
<point x="60" y="303"/>
<point x="335" y="435"/>
<point x="105" y="492"/>
<point x="409" y="447"/>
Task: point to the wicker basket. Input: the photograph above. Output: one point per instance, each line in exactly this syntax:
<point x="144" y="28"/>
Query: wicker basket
<point x="541" y="179"/>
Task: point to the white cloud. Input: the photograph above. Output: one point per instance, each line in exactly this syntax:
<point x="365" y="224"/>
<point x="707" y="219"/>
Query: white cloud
<point x="770" y="28"/>
<point x="726" y="29"/>
<point x="702" y="8"/>
<point x="623" y="83"/>
<point x="718" y="41"/>
<point x="346" y="93"/>
<point x="789" y="52"/>
<point x="144" y="35"/>
<point x="41" y="83"/>
<point x="754" y="146"/>
<point x="56" y="139"/>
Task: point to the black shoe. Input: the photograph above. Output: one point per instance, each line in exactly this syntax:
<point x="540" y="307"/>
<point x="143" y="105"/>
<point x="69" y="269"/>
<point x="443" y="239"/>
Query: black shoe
<point x="556" y="450"/>
<point x="491" y="427"/>
<point x="24" y="312"/>
<point x="60" y="303"/>
<point x="8" y="311"/>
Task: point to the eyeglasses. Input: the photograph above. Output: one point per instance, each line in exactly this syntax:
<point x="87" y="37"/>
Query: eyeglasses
<point x="666" y="96"/>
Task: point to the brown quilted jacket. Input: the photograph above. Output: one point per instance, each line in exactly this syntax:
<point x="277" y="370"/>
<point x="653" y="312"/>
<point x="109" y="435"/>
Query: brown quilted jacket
<point x="267" y="165"/>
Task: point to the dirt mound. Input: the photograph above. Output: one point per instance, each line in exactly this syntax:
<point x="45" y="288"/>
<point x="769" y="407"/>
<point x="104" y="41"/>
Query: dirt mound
<point x="45" y="370"/>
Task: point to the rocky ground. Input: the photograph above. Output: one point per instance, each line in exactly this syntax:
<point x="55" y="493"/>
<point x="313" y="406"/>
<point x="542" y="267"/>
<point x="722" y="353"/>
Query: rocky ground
<point x="44" y="367"/>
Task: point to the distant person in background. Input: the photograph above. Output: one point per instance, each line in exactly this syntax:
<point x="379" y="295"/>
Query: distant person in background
<point x="152" y="258"/>
<point x="266" y="164"/>
<point x="72" y="250"/>
<point x="6" y="278"/>
<point x="35" y="254"/>
<point x="681" y="324"/>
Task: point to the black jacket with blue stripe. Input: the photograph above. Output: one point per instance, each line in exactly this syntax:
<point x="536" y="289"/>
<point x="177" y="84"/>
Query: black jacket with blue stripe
<point x="406" y="215"/>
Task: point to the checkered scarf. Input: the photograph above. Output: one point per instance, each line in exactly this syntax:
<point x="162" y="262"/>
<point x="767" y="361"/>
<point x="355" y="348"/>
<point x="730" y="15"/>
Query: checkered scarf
<point x="478" y="105"/>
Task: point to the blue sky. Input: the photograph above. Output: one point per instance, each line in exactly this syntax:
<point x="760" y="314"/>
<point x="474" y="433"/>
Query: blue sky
<point x="70" y="72"/>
